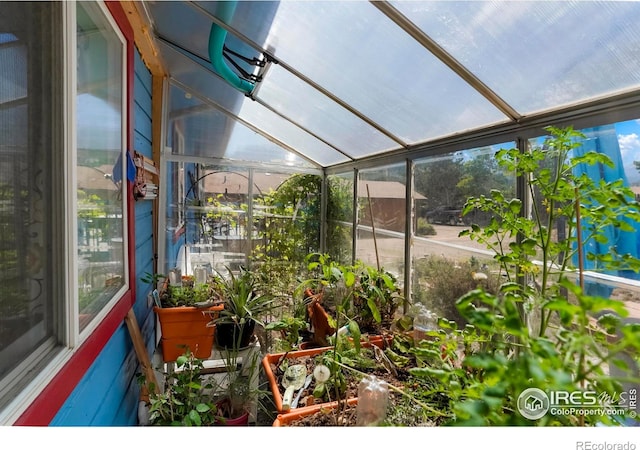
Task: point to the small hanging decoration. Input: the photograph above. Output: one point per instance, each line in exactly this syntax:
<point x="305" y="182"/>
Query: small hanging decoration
<point x="143" y="186"/>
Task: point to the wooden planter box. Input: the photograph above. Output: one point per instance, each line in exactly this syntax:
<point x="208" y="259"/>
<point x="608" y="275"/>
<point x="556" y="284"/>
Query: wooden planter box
<point x="185" y="327"/>
<point x="273" y="358"/>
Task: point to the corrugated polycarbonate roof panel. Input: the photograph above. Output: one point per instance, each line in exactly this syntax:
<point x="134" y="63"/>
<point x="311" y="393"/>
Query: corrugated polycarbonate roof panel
<point x="538" y="55"/>
<point x="385" y="88"/>
<point x="209" y="132"/>
<point x="199" y="79"/>
<point x="290" y="134"/>
<point x="315" y="111"/>
<point x="356" y="53"/>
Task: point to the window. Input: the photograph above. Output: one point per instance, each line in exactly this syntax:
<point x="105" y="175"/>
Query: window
<point x="381" y="218"/>
<point x="62" y="199"/>
<point x="100" y="145"/>
<point x="443" y="264"/>
<point x="31" y="261"/>
<point x="340" y="217"/>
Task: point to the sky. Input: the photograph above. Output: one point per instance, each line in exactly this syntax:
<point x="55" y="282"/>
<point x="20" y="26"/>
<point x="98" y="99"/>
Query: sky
<point x="629" y="140"/>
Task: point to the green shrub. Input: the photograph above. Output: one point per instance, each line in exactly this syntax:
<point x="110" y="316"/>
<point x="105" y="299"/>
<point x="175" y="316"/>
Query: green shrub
<point x="424" y="228"/>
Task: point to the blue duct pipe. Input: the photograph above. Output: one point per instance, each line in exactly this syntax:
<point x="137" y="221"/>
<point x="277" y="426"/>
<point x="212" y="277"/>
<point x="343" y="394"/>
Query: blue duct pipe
<point x="217" y="37"/>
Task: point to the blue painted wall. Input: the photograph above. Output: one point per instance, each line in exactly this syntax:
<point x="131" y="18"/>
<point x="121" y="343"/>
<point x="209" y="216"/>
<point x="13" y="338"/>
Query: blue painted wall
<point x="108" y="394"/>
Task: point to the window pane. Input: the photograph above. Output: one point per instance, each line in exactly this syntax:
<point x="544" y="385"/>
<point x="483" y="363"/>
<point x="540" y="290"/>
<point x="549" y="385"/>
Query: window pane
<point x="443" y="263"/>
<point x="382" y="206"/>
<point x="175" y="228"/>
<point x="100" y="166"/>
<point x="31" y="255"/>
<point x="619" y="142"/>
<point x="286" y="217"/>
<point x="340" y="217"/>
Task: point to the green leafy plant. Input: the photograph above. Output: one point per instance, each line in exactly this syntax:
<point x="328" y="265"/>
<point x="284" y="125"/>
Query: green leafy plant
<point x="242" y="299"/>
<point x="290" y="327"/>
<point x="238" y="389"/>
<point x="359" y="292"/>
<point x="424" y="228"/>
<point x="289" y="229"/>
<point x="188" y="293"/>
<point x="186" y="400"/>
<point x="542" y="328"/>
<point x="376" y="298"/>
<point x="448" y="280"/>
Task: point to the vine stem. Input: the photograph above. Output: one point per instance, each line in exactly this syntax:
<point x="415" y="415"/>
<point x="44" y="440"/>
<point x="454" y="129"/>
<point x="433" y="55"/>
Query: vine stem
<point x="400" y="391"/>
<point x="581" y="280"/>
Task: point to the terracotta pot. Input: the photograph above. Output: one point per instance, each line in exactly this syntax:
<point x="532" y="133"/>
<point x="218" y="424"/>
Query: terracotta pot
<point x="283" y="420"/>
<point x="274" y="358"/>
<point x="185" y="327"/>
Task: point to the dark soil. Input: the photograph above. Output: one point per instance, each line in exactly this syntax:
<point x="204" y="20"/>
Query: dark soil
<point x="343" y="417"/>
<point x="352" y="379"/>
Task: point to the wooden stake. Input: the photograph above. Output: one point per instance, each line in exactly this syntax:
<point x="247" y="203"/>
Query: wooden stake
<point x="151" y="384"/>
<point x="373" y="228"/>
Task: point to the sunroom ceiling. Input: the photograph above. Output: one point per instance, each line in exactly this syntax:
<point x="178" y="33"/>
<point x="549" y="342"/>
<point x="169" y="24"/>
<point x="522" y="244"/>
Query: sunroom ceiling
<point x="355" y="79"/>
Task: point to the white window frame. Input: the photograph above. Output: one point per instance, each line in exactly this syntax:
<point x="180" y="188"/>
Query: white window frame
<point x="76" y="336"/>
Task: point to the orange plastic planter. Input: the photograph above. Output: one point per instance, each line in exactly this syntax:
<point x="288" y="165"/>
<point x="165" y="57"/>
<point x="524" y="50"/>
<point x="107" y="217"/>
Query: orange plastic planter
<point x="273" y="358"/>
<point x="283" y="420"/>
<point x="185" y="327"/>
<point x="376" y="340"/>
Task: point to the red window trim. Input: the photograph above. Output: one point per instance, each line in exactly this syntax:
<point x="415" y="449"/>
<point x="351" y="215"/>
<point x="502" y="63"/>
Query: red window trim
<point x="51" y="399"/>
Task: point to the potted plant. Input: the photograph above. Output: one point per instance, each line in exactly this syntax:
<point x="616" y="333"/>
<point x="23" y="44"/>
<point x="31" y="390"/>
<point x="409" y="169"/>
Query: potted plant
<point x="355" y="297"/>
<point x="243" y="307"/>
<point x="185" y="312"/>
<point x="237" y="390"/>
<point x="186" y="399"/>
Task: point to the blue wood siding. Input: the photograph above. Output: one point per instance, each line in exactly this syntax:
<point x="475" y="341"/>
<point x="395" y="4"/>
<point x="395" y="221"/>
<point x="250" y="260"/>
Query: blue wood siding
<point x="108" y="393"/>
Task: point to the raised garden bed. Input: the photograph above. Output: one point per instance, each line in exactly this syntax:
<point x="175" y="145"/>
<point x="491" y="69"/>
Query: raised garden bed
<point x="320" y="415"/>
<point x="274" y="365"/>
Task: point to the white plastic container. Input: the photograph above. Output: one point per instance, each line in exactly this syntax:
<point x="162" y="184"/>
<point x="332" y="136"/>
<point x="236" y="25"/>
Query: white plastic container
<point x="175" y="277"/>
<point x="373" y="400"/>
<point x="200" y="274"/>
<point x="423" y="322"/>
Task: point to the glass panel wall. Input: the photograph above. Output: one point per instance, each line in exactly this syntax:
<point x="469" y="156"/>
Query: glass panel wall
<point x="609" y="242"/>
<point x="175" y="220"/>
<point x="381" y="218"/>
<point x="339" y="236"/>
<point x="223" y="217"/>
<point x="445" y="265"/>
<point x="286" y="218"/>
<point x="619" y="144"/>
<point x="206" y="213"/>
